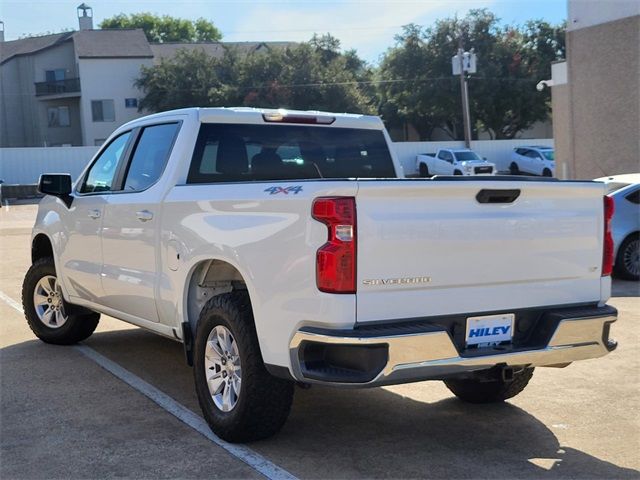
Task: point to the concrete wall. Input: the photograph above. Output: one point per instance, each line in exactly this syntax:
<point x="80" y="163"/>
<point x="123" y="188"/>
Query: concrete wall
<point x="108" y="79"/>
<point x="603" y="99"/>
<point x="587" y="13"/>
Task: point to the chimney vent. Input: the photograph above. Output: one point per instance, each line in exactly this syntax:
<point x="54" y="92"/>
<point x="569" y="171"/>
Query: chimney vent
<point x="85" y="17"/>
<point x="1" y="31"/>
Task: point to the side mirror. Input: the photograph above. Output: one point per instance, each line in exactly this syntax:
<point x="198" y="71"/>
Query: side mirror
<point x="57" y="185"/>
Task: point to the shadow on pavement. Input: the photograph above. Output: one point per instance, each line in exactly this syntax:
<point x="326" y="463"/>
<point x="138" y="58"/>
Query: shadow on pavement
<point x="331" y="433"/>
<point x="622" y="288"/>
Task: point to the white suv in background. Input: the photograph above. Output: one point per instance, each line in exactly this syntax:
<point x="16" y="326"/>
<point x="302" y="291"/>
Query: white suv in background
<point x="538" y="160"/>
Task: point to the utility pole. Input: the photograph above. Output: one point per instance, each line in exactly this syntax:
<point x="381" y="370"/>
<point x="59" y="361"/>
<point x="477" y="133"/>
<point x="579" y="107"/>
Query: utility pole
<point x="463" y="63"/>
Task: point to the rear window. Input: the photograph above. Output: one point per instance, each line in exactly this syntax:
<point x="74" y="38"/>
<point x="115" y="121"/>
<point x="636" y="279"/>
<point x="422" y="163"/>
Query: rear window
<point x="232" y="153"/>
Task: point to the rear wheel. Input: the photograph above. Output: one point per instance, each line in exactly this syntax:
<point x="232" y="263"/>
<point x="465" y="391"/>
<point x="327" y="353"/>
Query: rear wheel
<point x="547" y="173"/>
<point x="51" y="318"/>
<point x="240" y="400"/>
<point x="628" y="260"/>
<point x="424" y="170"/>
<point x="514" y="169"/>
<point x="489" y="391"/>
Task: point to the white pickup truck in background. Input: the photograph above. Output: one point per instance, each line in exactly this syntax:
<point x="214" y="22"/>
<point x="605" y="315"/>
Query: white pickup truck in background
<point x="453" y="161"/>
<point x="281" y="247"/>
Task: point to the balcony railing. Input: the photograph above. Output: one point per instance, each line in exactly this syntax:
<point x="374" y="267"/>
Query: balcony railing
<point x="68" y="85"/>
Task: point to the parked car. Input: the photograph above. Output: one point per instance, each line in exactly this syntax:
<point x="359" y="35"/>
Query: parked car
<point x="280" y="247"/>
<point x="453" y="161"/>
<point x="625" y="225"/>
<point x="538" y="160"/>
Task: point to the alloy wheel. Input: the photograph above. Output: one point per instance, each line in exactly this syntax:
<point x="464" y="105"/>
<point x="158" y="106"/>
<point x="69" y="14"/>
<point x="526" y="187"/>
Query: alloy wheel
<point x="48" y="302"/>
<point x="222" y="368"/>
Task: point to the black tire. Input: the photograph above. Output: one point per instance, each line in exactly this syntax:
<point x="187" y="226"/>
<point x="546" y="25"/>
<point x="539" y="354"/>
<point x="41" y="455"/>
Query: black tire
<point x="80" y="323"/>
<point x="514" y="169"/>
<point x="424" y="170"/>
<point x="264" y="401"/>
<point x="457" y="172"/>
<point x="476" y="391"/>
<point x="547" y="173"/>
<point x="628" y="257"/>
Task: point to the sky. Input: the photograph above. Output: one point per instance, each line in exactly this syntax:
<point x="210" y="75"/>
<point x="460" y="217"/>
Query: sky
<point x="368" y="26"/>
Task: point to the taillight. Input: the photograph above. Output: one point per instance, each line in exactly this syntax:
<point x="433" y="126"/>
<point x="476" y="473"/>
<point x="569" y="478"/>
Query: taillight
<point x="336" y="259"/>
<point x="607" y="248"/>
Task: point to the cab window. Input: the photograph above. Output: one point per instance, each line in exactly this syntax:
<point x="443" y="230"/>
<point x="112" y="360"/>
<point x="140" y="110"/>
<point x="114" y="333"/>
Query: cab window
<point x="101" y="175"/>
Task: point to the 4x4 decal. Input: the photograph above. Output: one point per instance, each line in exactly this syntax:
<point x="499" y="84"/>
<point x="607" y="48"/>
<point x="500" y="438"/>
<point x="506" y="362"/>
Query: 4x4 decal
<point x="286" y="190"/>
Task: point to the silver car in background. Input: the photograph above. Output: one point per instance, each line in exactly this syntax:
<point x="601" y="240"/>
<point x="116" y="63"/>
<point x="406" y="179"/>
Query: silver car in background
<point x="625" y="191"/>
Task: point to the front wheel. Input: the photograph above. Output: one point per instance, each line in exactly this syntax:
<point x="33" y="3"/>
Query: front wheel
<point x="51" y="318"/>
<point x="489" y="391"/>
<point x="547" y="173"/>
<point x="240" y="400"/>
<point x="457" y="172"/>
<point x="627" y="264"/>
<point x="514" y="169"/>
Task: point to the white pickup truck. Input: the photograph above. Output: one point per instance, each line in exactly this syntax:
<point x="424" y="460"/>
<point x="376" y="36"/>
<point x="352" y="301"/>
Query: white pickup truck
<point x="453" y="161"/>
<point x="283" y="247"/>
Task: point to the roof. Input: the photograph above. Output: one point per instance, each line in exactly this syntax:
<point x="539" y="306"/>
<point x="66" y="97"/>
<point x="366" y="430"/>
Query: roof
<point x="88" y="44"/>
<point x="25" y="46"/>
<point x="162" y="51"/>
<point x="112" y="43"/>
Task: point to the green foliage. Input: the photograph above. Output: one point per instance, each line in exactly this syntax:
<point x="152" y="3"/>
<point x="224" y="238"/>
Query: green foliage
<point x="166" y="28"/>
<point x="313" y="75"/>
<point x="417" y="86"/>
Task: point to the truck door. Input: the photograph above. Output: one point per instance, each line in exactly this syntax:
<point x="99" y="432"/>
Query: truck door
<point x="81" y="258"/>
<point x="130" y="230"/>
<point x="445" y="163"/>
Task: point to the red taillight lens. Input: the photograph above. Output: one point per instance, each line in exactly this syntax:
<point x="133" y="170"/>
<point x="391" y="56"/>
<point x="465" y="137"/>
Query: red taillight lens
<point x="336" y="259"/>
<point x="607" y="248"/>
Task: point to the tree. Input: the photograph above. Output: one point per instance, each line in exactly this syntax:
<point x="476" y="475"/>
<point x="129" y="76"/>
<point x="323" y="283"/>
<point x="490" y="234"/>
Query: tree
<point x="312" y="75"/>
<point x="166" y="28"/>
<point x="417" y="87"/>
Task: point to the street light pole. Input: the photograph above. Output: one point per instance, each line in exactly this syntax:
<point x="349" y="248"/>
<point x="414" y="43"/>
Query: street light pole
<point x="464" y="91"/>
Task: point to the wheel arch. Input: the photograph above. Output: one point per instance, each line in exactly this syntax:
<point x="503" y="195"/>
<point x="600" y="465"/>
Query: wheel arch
<point x="206" y="279"/>
<point x="41" y="247"/>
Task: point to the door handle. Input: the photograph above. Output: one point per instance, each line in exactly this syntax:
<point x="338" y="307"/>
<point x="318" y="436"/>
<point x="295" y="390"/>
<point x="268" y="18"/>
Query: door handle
<point x="94" y="214"/>
<point x="144" y="215"/>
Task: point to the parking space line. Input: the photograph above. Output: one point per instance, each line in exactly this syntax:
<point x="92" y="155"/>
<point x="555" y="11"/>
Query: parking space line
<point x="182" y="413"/>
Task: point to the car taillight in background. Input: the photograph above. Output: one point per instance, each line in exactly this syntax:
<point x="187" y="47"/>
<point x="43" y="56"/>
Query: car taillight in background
<point x="607" y="249"/>
<point x="336" y="259"/>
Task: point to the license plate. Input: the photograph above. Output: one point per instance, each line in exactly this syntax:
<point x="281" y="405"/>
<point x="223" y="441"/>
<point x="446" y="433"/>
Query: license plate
<point x="490" y="329"/>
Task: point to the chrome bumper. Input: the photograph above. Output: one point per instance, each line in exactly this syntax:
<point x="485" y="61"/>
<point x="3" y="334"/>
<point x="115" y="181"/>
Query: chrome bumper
<point x="433" y="355"/>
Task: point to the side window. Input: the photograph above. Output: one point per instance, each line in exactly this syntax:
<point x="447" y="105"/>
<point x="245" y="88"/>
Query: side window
<point x="634" y="197"/>
<point x="101" y="174"/>
<point x="442" y="155"/>
<point x="520" y="151"/>
<point x="149" y="156"/>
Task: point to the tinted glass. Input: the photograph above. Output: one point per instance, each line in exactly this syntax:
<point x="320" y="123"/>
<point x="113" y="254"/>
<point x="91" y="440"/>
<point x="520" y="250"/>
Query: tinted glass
<point x="463" y="156"/>
<point x="102" y="172"/>
<point x="548" y="154"/>
<point x="229" y="153"/>
<point x="634" y="197"/>
<point x="150" y="155"/>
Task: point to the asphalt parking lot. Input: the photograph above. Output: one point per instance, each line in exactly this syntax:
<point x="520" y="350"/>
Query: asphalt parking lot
<point x="64" y="416"/>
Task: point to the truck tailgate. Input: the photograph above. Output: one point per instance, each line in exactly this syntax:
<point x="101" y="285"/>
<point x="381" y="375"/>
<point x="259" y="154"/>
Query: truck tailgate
<point x="429" y="248"/>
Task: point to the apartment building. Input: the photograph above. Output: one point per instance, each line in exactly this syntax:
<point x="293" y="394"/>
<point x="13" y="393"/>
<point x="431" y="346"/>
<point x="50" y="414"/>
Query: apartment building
<point x="75" y="88"/>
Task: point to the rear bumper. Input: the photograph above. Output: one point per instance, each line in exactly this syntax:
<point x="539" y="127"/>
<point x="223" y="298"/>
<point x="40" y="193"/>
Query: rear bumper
<point x="393" y="353"/>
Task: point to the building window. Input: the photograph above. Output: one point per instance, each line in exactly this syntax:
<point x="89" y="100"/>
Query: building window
<point x="58" y="116"/>
<point x="103" y="111"/>
<point x="56" y="75"/>
<point x="130" y="103"/>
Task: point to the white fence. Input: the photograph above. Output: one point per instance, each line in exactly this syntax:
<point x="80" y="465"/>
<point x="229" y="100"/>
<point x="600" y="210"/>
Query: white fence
<point x="23" y="166"/>
<point x="496" y="151"/>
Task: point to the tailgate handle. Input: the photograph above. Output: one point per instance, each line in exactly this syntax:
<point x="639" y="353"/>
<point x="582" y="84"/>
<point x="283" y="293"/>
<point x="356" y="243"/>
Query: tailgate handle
<point x="497" y="196"/>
